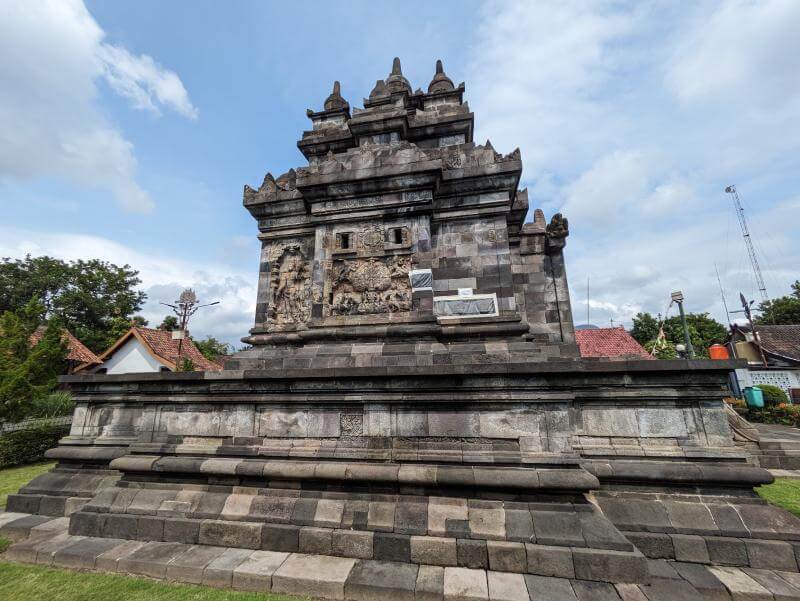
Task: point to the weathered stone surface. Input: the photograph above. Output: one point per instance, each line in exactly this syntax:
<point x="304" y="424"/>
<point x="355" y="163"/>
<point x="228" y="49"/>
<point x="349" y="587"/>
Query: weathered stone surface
<point x="773" y="555"/>
<point x="380" y="580"/>
<point x="545" y="588"/>
<point x="189" y="565"/>
<point x="472" y="554"/>
<point x="550" y="561"/>
<point x="609" y="566"/>
<point x="280" y="537"/>
<point x="506" y="556"/>
<point x="243" y="535"/>
<point x="255" y="572"/>
<point x="219" y="572"/>
<point x="313" y="576"/>
<point x="391" y="547"/>
<point x="434" y="550"/>
<point x="151" y="559"/>
<point x="507" y="587"/>
<point x="690" y="548"/>
<point x="315" y="541"/>
<point x="726" y="551"/>
<point x="352" y="543"/>
<point x="464" y="584"/>
<point x="430" y="584"/>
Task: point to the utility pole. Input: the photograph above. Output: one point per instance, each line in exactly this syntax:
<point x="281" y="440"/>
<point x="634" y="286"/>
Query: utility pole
<point x="677" y="298"/>
<point x="748" y="242"/>
<point x="749" y="315"/>
<point x="186" y="306"/>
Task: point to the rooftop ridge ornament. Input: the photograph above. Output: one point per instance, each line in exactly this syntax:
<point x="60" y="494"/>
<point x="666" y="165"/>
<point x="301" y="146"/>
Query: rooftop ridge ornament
<point x="335" y="101"/>
<point x="440" y="81"/>
<point x="396" y="82"/>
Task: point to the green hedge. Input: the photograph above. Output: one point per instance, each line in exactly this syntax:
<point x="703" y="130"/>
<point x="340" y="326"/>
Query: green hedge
<point x="28" y="446"/>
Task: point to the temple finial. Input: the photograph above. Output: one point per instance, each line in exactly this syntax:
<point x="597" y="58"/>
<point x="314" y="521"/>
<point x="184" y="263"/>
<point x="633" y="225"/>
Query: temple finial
<point x="335" y="100"/>
<point x="440" y="81"/>
<point x="396" y="82"/>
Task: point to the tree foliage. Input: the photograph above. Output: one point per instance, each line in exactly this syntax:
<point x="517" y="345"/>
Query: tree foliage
<point x="169" y="323"/>
<point x="784" y="310"/>
<point x="28" y="373"/>
<point x="704" y="331"/>
<point x="96" y="300"/>
<point x="211" y="348"/>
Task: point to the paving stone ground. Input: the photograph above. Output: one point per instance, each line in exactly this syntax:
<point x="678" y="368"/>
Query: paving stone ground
<point x="323" y="576"/>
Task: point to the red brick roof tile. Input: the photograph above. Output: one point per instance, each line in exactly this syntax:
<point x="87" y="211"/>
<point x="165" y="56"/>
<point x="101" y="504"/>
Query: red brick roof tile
<point x="613" y="343"/>
<point x="76" y="350"/>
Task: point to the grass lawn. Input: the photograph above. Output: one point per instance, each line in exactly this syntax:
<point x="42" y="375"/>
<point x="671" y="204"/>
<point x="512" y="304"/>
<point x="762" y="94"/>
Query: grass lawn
<point x="13" y="478"/>
<point x="31" y="583"/>
<point x="784" y="492"/>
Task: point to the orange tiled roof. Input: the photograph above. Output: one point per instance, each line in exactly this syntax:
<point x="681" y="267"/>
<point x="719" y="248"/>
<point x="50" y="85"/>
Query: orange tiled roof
<point x="614" y="343"/>
<point x="162" y="344"/>
<point x="76" y="350"/>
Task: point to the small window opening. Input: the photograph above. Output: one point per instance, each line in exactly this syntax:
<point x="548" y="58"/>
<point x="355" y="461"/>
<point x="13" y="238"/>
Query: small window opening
<point x="397" y="235"/>
<point x="344" y="240"/>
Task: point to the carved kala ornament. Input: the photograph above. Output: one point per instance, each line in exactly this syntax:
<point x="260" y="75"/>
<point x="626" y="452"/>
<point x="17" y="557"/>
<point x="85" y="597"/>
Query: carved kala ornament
<point x="369" y="286"/>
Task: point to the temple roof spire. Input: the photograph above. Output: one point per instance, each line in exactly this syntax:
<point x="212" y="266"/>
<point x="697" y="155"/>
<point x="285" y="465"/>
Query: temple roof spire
<point x="440" y="81"/>
<point x="396" y="82"/>
<point x="335" y="100"/>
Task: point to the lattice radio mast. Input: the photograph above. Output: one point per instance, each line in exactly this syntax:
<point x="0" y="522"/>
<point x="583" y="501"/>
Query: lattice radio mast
<point x="748" y="242"/>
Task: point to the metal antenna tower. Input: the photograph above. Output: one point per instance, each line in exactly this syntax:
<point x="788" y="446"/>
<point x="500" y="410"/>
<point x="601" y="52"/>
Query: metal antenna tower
<point x="748" y="242"/>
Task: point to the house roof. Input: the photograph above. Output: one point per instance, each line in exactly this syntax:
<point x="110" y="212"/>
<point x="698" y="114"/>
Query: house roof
<point x="160" y="344"/>
<point x="613" y="343"/>
<point x="782" y="341"/>
<point x="76" y="350"/>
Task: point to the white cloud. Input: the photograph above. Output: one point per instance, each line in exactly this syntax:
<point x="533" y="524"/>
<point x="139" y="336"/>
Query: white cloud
<point x="144" y="82"/>
<point x="52" y="55"/>
<point x="631" y="120"/>
<point x="740" y="51"/>
<point x="163" y="277"/>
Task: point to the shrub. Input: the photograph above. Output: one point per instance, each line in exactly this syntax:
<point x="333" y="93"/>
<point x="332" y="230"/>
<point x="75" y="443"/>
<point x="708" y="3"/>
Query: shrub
<point x="773" y="395"/>
<point x="55" y="404"/>
<point x="28" y="446"/>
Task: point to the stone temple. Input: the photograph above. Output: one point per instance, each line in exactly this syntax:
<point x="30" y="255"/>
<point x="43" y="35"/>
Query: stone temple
<point x="412" y="419"/>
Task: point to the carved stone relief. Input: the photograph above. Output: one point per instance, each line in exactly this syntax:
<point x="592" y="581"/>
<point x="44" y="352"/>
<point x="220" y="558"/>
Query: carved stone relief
<point x="290" y="282"/>
<point x="369" y="286"/>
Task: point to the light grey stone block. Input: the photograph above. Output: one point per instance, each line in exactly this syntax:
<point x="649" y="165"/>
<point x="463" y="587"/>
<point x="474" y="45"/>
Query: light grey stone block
<point x="313" y="576"/>
<point x="465" y="584"/>
<point x="255" y="572"/>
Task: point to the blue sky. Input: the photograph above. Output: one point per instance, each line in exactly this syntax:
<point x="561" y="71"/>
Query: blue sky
<point x="127" y="130"/>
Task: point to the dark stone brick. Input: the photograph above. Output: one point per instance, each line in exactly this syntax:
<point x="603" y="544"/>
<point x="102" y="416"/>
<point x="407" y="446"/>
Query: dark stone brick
<point x="121" y="526"/>
<point x="180" y="530"/>
<point x="726" y="551"/>
<point x="472" y="553"/>
<point x="391" y="547"/>
<point x="280" y="537"/>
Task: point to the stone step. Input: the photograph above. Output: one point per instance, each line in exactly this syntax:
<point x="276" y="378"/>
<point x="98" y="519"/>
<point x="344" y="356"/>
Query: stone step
<point x="529" y="478"/>
<point x="710" y="550"/>
<point x="546" y="556"/>
<point x="557" y="522"/>
<point x="321" y="576"/>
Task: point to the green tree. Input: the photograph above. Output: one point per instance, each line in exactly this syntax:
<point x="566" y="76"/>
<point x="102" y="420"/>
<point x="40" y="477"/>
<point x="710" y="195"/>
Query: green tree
<point x="781" y="311"/>
<point x="170" y="323"/>
<point x="93" y="298"/>
<point x="704" y="331"/>
<point x="211" y="348"/>
<point x="645" y="328"/>
<point x="28" y="373"/>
